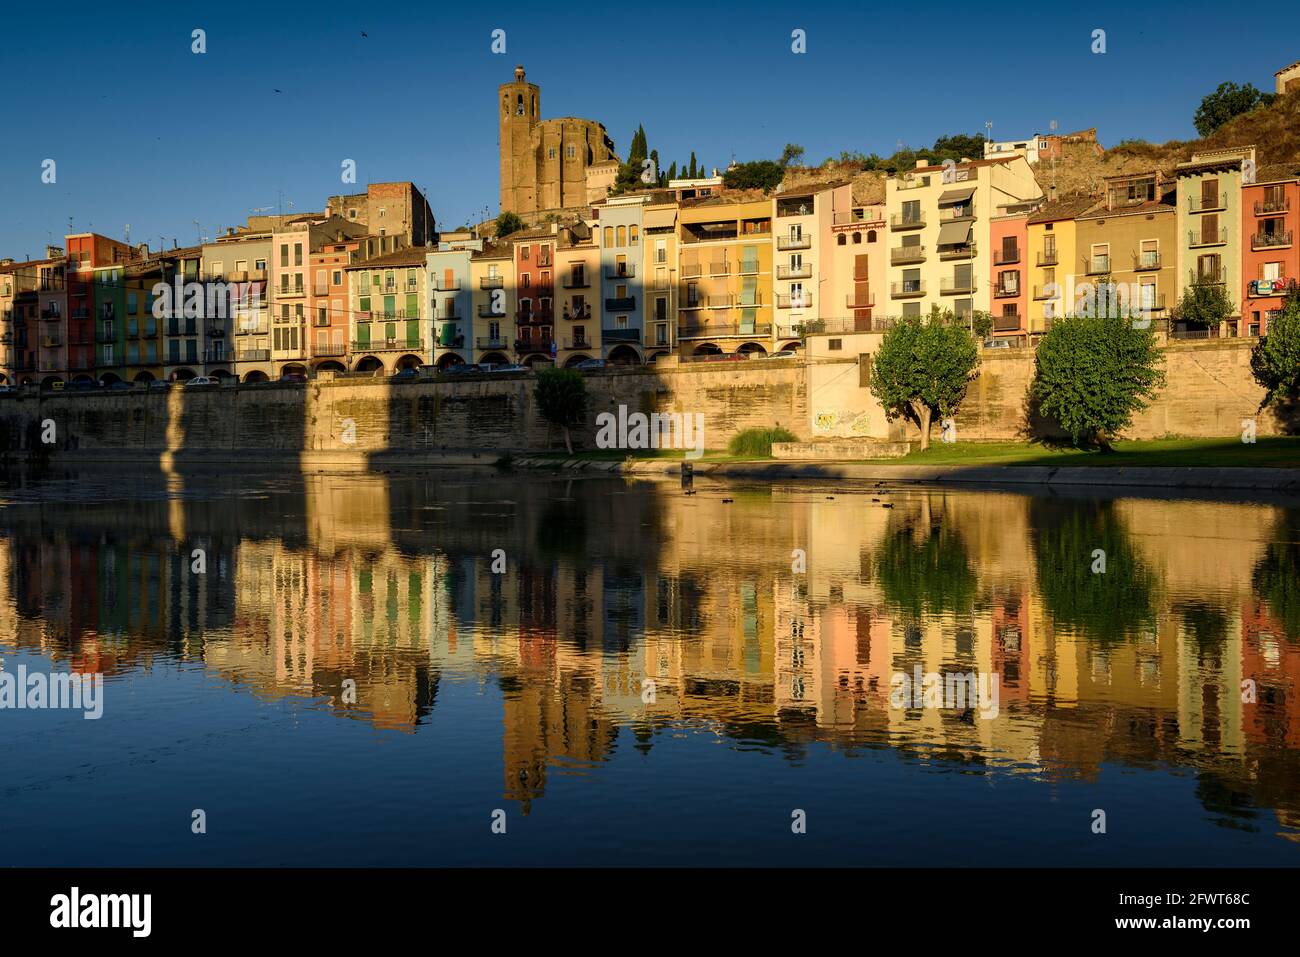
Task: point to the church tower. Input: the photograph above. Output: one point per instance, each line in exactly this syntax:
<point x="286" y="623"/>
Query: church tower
<point x="520" y="106"/>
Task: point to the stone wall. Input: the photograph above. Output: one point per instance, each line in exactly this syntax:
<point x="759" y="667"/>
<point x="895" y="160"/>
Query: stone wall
<point x="1210" y="391"/>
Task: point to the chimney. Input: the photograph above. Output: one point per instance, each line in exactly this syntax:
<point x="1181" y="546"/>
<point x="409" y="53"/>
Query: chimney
<point x="143" y="250"/>
<point x="1051" y="193"/>
<point x="922" y="164"/>
<point x="6" y="262"/>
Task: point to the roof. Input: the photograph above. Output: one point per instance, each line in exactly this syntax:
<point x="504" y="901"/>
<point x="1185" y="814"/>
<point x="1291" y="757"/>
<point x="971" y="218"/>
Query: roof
<point x="1277" y="172"/>
<point x="1167" y="202"/>
<point x="411" y="256"/>
<point x="1068" y="208"/>
<point x="1289" y="66"/>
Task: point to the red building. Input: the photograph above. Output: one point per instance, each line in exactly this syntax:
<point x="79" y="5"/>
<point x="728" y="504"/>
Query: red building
<point x="534" y="294"/>
<point x="85" y="251"/>
<point x="1270" y="254"/>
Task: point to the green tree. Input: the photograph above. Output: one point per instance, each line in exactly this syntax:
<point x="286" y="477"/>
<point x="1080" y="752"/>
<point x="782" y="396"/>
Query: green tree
<point x="1275" y="360"/>
<point x="957" y="147"/>
<point x="672" y="171"/>
<point x="1204" y="304"/>
<point x="1227" y="101"/>
<point x="1094" y="373"/>
<point x="792" y="155"/>
<point x="508" y="223"/>
<point x="628" y="177"/>
<point x="694" y="169"/>
<point x="561" y="396"/>
<point x="760" y="174"/>
<point x="924" y="571"/>
<point x="923" y="367"/>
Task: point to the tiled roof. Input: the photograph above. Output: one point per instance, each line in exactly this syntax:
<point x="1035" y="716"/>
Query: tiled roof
<point x="411" y="256"/>
<point x="1068" y="208"/>
<point x="1277" y="172"/>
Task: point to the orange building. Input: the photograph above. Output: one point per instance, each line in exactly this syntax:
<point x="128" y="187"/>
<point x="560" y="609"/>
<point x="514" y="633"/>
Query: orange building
<point x="1270" y="211"/>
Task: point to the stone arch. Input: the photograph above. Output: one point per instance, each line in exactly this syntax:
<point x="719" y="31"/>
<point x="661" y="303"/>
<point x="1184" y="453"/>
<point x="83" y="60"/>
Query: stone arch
<point x="624" y="355"/>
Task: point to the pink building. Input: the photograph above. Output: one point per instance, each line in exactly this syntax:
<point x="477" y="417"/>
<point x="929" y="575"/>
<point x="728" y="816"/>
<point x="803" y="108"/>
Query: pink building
<point x="1008" y="301"/>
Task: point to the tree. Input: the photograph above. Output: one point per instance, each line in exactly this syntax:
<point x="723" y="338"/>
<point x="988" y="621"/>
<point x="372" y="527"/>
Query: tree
<point x="694" y="170"/>
<point x="672" y="171"/>
<point x="1275" y="360"/>
<point x="761" y="174"/>
<point x="792" y="155"/>
<point x="923" y="367"/>
<point x="629" y="174"/>
<point x="508" y="223"/>
<point x="1228" y="101"/>
<point x="1204" y="304"/>
<point x="561" y="396"/>
<point x="1095" y="373"/>
<point x="959" y="146"/>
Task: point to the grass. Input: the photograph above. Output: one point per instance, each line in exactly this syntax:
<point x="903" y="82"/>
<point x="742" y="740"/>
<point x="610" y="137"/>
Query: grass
<point x="757" y="443"/>
<point x="1266" y="452"/>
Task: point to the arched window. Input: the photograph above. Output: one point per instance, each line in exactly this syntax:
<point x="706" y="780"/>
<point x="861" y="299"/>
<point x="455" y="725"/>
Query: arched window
<point x="841" y="239"/>
<point x="857" y="239"/>
<point x="871" y="235"/>
<point x="519" y="105"/>
<point x="622" y="235"/>
<point x="609" y="235"/>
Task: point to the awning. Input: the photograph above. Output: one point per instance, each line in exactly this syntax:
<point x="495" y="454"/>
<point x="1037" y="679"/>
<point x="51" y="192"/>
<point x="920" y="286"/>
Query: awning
<point x="954" y="234"/>
<point x="661" y="218"/>
<point x="957" y="195"/>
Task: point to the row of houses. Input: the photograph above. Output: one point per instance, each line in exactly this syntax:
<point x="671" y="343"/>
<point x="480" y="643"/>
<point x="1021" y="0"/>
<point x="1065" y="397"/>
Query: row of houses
<point x="693" y="271"/>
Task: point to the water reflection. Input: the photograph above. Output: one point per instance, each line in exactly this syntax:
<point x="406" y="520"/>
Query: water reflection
<point x="313" y="582"/>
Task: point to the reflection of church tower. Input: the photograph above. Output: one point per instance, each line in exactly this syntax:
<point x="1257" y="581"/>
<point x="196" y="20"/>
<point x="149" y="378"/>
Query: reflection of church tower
<point x="520" y="106"/>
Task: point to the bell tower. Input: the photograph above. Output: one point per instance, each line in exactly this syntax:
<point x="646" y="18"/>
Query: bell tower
<point x="519" y="103"/>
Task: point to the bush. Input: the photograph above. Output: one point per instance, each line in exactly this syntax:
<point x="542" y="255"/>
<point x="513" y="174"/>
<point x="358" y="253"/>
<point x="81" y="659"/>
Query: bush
<point x="757" y="443"/>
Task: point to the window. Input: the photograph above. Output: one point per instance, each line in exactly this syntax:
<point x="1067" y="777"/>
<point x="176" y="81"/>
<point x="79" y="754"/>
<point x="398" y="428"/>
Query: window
<point x="570" y="152"/>
<point x="622" y="236"/>
<point x="841" y="239"/>
<point x="338" y="278"/>
<point x="297" y="254"/>
<point x="550" y="153"/>
<point x="609" y="235"/>
<point x="834" y="345"/>
<point x="857" y="239"/>
<point x="633" y="233"/>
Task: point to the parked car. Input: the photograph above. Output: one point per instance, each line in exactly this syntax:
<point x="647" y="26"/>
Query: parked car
<point x="200" y="382"/>
<point x="588" y="364"/>
<point x="83" y="385"/>
<point x="120" y="386"/>
<point x="158" y="384"/>
<point x="407" y="373"/>
<point x="293" y="377"/>
<point x="725" y="357"/>
<point x="998" y="344"/>
<point x="505" y="368"/>
<point x="7" y="390"/>
<point x="465" y="368"/>
<point x="784" y="354"/>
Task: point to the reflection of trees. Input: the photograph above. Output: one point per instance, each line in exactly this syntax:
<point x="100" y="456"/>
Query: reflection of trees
<point x="1276" y="578"/>
<point x="925" y="571"/>
<point x="1206" y="625"/>
<point x="1105" y="606"/>
<point x="562" y="528"/>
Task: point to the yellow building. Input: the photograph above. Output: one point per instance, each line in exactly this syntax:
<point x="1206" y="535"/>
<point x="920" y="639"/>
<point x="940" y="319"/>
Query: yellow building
<point x="492" y="280"/>
<point x="804" y="221"/>
<point x="577" y="268"/>
<point x="724" y="276"/>
<point x="857" y="286"/>
<point x="1131" y="237"/>
<point x="660" y="271"/>
<point x="1053" y="254"/>
<point x="940" y="231"/>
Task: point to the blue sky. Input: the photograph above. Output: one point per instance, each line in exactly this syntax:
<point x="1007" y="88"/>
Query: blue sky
<point x="147" y="133"/>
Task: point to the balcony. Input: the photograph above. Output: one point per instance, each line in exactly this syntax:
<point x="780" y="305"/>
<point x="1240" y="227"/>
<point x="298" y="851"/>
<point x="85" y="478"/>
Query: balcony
<point x="489" y="311"/>
<point x="490" y="342"/>
<point x="577" y="344"/>
<point x="388" y="345"/>
<point x="906" y="254"/>
<point x="577" y="281"/>
<point x="803" y="271"/>
<point x="1006" y="257"/>
<point x="785" y="243"/>
<point x="953" y="286"/>
<point x="1049" y="258"/>
<point x="1272" y="207"/>
<point x="448" y="315"/>
<point x="51" y="342"/>
<point x="692" y="270"/>
<point x="722" y="268"/>
<point x="534" y="345"/>
<point x="1042" y="292"/>
<point x="620" y="304"/>
<point x="860" y="300"/>
<point x="907" y="289"/>
<point x="1208" y="277"/>
<point x="717" y="302"/>
<point x="963" y="251"/>
<point x="1005" y="292"/>
<point x="293" y="292"/>
<point x="51" y="314"/>
<point x="1097" y="266"/>
<point x="750" y="268"/>
<point x="1206" y="204"/>
<point x="253" y="355"/>
<point x="491" y="282"/>
<point x="577" y="315"/>
<point x="1008" y="323"/>
<point x="524" y="316"/>
<point x="1146" y="261"/>
<point x="957" y="214"/>
<point x="1207" y="237"/>
<point x="907" y="221"/>
<point x="1270" y="240"/>
<point x="258" y="329"/>
<point x="323" y="350"/>
<point x="798" y="301"/>
<point x="620" y="271"/>
<point x="444" y="284"/>
<point x="545" y="291"/>
<point x="621" y="335"/>
<point x="1270" y="287"/>
<point x="715" y="330"/>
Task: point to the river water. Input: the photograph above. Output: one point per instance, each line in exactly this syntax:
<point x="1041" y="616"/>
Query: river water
<point x="492" y="668"/>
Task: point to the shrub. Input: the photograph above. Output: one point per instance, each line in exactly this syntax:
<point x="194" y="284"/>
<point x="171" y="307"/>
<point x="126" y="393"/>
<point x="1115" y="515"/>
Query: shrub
<point x="757" y="443"/>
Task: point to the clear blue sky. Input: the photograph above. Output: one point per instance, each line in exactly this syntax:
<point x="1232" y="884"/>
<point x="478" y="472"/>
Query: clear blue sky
<point x="147" y="133"/>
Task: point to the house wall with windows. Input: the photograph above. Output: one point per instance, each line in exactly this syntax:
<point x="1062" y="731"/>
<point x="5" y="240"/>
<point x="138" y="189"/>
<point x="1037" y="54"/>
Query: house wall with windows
<point x="492" y="291"/>
<point x="1051" y="260"/>
<point x="534" y="271"/>
<point x="1210" y="223"/>
<point x="1270" y="209"/>
<point x="389" y="323"/>
<point x="857" y="250"/>
<point x="1008" y="300"/>
<point x="451" y="303"/>
<point x="577" y="294"/>
<point x="661" y="280"/>
<point x="619" y="227"/>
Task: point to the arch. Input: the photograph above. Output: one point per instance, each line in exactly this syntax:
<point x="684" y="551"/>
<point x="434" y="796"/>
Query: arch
<point x="871" y="235"/>
<point x="408" y="361"/>
<point x="4" y="379"/>
<point x="369" y="364"/>
<point x="793" y="345"/>
<point x="49" y="380"/>
<point x="293" y="368"/>
<point x="624" y="355"/>
<point x="573" y="360"/>
<point x="449" y="359"/>
<point x="495" y="358"/>
<point x="110" y="378"/>
<point x="256" y="375"/>
<point x="182" y="375"/>
<point x="144" y="375"/>
<point x="661" y="354"/>
<point x="707" y="349"/>
<point x="27" y="380"/>
<point x="84" y="377"/>
<point x="752" y="348"/>
<point x="535" y="357"/>
<point x="220" y="373"/>
<point x="331" y="365"/>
